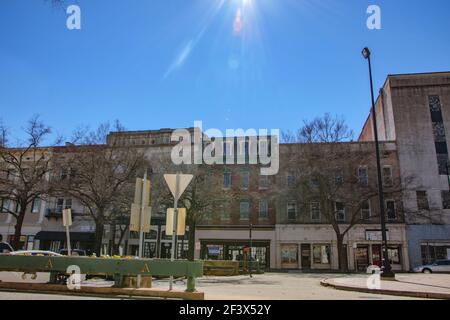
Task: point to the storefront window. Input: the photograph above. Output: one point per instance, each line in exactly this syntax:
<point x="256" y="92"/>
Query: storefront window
<point x="394" y="255"/>
<point x="152" y="235"/>
<point x="321" y="254"/>
<point x="289" y="254"/>
<point x="214" y="252"/>
<point x="430" y="252"/>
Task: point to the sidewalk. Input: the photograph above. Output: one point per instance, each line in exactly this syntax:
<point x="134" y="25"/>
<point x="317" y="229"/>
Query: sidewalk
<point x="432" y="286"/>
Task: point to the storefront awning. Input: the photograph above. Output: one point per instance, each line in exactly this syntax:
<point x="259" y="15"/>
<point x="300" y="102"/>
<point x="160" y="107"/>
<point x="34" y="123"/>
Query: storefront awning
<point x="61" y="236"/>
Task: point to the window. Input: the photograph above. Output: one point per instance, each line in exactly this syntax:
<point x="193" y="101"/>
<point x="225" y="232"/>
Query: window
<point x="245" y="179"/>
<point x="321" y="254"/>
<point x="263" y="209"/>
<point x="68" y="204"/>
<point x="5" y="204"/>
<point x="59" y="205"/>
<point x="440" y="141"/>
<point x="390" y="210"/>
<point x="363" y="176"/>
<point x="18" y="207"/>
<point x="315" y="182"/>
<point x="365" y="210"/>
<point x="315" y="211"/>
<point x="291" y="181"/>
<point x="224" y="210"/>
<point x="394" y="255"/>
<point x="228" y="151"/>
<point x="227" y="180"/>
<point x="208" y="215"/>
<point x="338" y="177"/>
<point x="263" y="182"/>
<point x="244" y="209"/>
<point x="387" y="176"/>
<point x="340" y="211"/>
<point x="445" y="199"/>
<point x="289" y="254"/>
<point x="433" y="252"/>
<point x="422" y="200"/>
<point x="63" y="175"/>
<point x="36" y="205"/>
<point x="292" y="210"/>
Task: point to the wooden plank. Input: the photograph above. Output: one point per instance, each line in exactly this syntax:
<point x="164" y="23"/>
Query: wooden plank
<point x="93" y="291"/>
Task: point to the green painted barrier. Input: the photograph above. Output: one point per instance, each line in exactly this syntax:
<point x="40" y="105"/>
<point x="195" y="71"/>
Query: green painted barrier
<point x="118" y="268"/>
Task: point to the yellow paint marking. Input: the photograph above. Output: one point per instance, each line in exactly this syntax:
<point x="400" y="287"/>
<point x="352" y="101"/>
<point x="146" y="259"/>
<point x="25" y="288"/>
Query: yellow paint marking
<point x="145" y="269"/>
<point x="49" y="264"/>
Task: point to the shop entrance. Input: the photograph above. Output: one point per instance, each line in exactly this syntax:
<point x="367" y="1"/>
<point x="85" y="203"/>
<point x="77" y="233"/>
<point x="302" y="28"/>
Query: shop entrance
<point x="362" y="258"/>
<point x="306" y="256"/>
<point x="376" y="255"/>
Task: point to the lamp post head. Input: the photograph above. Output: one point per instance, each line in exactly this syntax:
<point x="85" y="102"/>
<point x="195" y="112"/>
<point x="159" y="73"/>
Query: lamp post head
<point x="366" y="53"/>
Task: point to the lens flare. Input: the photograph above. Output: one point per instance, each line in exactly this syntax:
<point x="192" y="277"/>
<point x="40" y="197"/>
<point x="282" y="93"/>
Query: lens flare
<point x="237" y="25"/>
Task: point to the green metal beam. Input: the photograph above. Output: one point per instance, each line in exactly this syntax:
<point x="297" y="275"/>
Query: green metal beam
<point x="115" y="267"/>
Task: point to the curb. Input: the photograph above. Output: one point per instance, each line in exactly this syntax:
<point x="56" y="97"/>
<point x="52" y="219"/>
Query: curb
<point x="402" y="293"/>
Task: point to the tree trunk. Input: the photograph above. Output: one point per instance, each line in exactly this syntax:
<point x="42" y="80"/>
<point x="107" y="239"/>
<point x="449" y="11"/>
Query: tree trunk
<point x="342" y="254"/>
<point x="119" y="243"/>
<point x="99" y="228"/>
<point x="112" y="246"/>
<point x="191" y="249"/>
<point x="18" y="228"/>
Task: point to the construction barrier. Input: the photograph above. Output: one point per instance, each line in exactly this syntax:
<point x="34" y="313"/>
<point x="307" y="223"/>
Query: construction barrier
<point x="119" y="269"/>
<point x="220" y="268"/>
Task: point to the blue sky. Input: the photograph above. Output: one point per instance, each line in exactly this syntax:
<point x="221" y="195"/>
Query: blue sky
<point x="165" y="63"/>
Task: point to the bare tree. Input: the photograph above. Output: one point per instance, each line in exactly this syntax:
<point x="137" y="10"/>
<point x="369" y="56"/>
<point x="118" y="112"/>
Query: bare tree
<point x="3" y="134"/>
<point x="329" y="177"/>
<point x="102" y="177"/>
<point x="24" y="171"/>
<point x="320" y="130"/>
<point x="119" y="220"/>
<point x="198" y="199"/>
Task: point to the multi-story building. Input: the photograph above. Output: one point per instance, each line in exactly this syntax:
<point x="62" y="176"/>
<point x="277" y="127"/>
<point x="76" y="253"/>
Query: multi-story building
<point x="414" y="111"/>
<point x="288" y="230"/>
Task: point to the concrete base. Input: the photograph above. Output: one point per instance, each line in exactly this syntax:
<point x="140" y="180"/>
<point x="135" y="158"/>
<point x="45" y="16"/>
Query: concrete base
<point x="100" y="292"/>
<point x="131" y="282"/>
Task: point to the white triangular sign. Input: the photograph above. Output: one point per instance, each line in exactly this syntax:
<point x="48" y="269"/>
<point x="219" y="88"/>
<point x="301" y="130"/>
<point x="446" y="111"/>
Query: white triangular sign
<point x="183" y="182"/>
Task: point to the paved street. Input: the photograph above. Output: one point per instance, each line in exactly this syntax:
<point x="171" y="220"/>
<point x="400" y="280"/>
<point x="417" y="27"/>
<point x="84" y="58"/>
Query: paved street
<point x="289" y="286"/>
<point x="277" y="286"/>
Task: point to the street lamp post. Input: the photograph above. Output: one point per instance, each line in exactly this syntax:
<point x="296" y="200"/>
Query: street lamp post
<point x="387" y="272"/>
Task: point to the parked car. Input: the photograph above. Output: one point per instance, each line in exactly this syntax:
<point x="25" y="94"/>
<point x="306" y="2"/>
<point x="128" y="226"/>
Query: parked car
<point x="24" y="277"/>
<point x="35" y="253"/>
<point x="75" y="252"/>
<point x="435" y="267"/>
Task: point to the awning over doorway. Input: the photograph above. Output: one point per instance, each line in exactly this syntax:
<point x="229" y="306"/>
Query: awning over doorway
<point x="61" y="236"/>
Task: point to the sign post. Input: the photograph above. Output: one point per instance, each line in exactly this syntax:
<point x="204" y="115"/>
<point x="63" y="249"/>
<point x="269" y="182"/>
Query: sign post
<point x="177" y="183"/>
<point x="67" y="222"/>
<point x="141" y="210"/>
